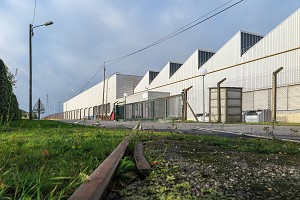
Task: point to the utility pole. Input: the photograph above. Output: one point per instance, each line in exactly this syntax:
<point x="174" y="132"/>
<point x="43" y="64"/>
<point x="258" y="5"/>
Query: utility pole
<point x="30" y="70"/>
<point x="31" y="27"/>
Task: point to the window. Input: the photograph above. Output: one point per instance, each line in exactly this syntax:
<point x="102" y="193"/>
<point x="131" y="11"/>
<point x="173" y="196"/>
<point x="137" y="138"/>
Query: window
<point x="203" y="57"/>
<point x="248" y="41"/>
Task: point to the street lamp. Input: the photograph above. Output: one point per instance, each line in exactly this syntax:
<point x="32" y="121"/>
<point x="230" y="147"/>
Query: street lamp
<point x="125" y="95"/>
<point x="107" y="91"/>
<point x="202" y="73"/>
<point x="31" y="27"/>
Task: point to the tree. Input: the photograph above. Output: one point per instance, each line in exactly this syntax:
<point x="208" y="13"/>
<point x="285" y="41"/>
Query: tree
<point x="9" y="107"/>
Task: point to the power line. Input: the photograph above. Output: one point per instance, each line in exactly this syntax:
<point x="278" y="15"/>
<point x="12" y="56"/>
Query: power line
<point x="177" y="32"/>
<point x="89" y="80"/>
<point x="174" y="33"/>
<point x="167" y="37"/>
<point x="34" y="11"/>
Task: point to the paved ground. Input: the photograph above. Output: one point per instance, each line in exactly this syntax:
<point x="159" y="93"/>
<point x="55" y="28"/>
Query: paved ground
<point x="230" y="130"/>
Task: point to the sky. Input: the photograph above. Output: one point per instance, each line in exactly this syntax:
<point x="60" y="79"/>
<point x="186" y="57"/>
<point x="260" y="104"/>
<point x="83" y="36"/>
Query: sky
<point x="87" y="33"/>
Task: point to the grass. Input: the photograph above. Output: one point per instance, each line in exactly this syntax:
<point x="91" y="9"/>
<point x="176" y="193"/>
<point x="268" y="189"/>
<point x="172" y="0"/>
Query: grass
<point x="48" y="159"/>
<point x="242" y="144"/>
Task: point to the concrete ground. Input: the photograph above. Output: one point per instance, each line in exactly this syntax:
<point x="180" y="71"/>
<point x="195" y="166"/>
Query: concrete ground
<point x="231" y="130"/>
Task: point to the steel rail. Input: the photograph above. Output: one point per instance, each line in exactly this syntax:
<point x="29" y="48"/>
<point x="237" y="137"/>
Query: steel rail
<point x="95" y="188"/>
<point x="140" y="160"/>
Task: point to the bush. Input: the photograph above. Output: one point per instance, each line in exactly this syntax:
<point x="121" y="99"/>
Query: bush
<point x="9" y="107"/>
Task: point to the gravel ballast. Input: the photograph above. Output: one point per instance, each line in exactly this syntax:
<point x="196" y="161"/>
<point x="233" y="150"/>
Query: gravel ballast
<point x="196" y="170"/>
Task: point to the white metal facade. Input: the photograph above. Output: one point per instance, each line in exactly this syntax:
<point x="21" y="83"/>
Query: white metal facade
<point x="252" y="71"/>
<point x="83" y="105"/>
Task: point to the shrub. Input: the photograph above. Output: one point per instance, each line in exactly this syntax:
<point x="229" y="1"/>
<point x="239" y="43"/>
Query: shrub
<point x="9" y="107"/>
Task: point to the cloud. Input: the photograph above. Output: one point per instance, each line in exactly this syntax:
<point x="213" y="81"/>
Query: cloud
<point x="87" y="33"/>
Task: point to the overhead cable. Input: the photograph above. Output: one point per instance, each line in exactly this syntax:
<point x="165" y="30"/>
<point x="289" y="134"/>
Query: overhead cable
<point x="167" y="37"/>
<point x="177" y="32"/>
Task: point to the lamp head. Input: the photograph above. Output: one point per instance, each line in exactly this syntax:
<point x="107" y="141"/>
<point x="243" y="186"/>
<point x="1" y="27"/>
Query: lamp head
<point x="125" y="95"/>
<point x="48" y="23"/>
<point x="202" y="71"/>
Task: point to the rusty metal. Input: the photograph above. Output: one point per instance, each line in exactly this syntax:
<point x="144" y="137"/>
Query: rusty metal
<point x="140" y="160"/>
<point x="95" y="188"/>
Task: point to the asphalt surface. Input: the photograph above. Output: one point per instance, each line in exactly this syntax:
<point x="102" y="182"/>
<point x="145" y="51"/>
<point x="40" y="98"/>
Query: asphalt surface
<point x="290" y="133"/>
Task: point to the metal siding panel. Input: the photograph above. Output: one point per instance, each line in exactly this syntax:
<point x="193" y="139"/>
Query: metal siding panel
<point x="233" y="111"/>
<point x="232" y="93"/>
<point x="141" y="86"/>
<point x="294" y="97"/>
<point x="261" y="100"/>
<point x="234" y="103"/>
<point x="248" y="101"/>
<point x="282" y="98"/>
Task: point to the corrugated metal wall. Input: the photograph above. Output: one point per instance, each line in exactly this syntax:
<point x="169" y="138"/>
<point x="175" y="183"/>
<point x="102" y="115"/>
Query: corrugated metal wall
<point x="252" y="71"/>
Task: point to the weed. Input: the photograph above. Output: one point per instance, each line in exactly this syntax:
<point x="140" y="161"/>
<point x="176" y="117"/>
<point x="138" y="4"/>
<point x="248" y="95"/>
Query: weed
<point x="126" y="171"/>
<point x="184" y="185"/>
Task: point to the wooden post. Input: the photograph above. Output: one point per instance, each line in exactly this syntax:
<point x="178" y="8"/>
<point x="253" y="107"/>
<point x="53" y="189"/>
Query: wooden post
<point x="184" y="99"/>
<point x="219" y="98"/>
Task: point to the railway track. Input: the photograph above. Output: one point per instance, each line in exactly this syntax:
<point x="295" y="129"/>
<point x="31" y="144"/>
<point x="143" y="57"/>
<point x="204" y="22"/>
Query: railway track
<point x="96" y="187"/>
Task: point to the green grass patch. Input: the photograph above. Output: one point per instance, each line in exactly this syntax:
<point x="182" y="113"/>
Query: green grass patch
<point x="48" y="159"/>
<point x="254" y="145"/>
<point x="243" y="144"/>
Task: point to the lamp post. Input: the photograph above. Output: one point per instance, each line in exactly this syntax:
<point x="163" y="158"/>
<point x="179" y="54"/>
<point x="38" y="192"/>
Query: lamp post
<point x="125" y="95"/>
<point x="202" y="73"/>
<point x="31" y="27"/>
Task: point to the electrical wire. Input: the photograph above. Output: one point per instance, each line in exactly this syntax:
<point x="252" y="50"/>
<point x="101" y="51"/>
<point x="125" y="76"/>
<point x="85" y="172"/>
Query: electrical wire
<point x="89" y="80"/>
<point x="34" y="12"/>
<point x="167" y="37"/>
<point x="174" y="33"/>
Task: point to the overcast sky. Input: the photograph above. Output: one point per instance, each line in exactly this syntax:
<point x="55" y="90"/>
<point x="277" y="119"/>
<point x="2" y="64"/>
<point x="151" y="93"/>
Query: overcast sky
<point x="86" y="33"/>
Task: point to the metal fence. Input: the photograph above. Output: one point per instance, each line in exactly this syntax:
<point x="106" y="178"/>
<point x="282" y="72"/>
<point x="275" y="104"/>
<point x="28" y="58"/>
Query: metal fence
<point x="55" y="116"/>
<point x="288" y="102"/>
<point x="257" y="95"/>
<point x="152" y="109"/>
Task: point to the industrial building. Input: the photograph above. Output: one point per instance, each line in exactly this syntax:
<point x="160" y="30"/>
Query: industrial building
<point x="247" y="61"/>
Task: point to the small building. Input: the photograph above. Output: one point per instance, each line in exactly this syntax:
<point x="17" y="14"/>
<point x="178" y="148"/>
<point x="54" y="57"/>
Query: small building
<point x="230" y="104"/>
